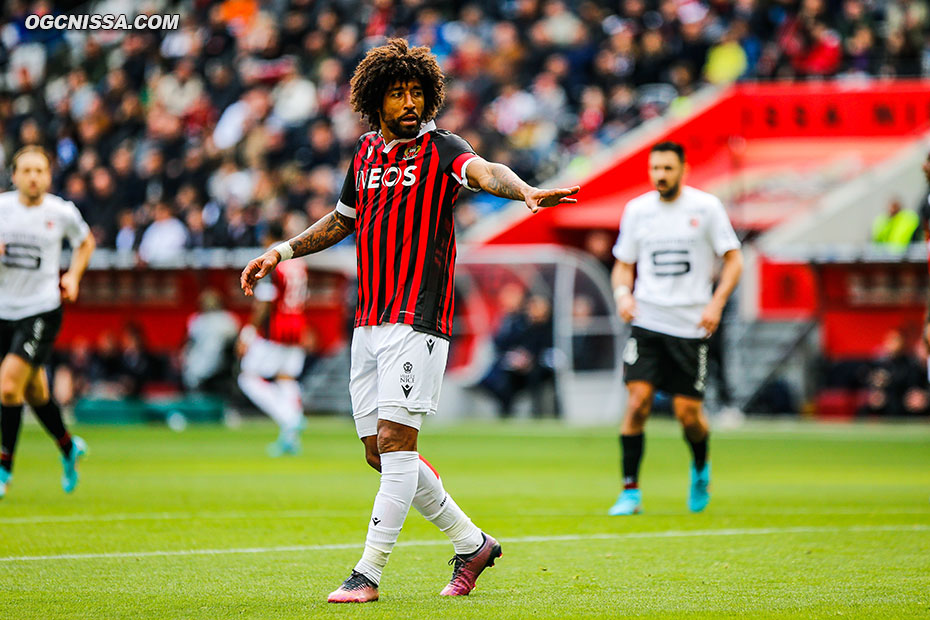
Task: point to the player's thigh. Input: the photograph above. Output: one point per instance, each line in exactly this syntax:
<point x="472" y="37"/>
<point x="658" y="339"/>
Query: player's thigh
<point x="687" y="374"/>
<point x="260" y="359"/>
<point x="291" y="360"/>
<point x="411" y="365"/>
<point x="643" y="358"/>
<point x="15" y="373"/>
<point x="363" y="383"/>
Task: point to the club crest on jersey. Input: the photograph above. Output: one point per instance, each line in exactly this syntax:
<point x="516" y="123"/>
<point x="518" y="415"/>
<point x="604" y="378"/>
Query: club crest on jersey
<point x="411" y="151"/>
<point x="407" y="379"/>
<point x="49" y="224"/>
<point x="694" y="222"/>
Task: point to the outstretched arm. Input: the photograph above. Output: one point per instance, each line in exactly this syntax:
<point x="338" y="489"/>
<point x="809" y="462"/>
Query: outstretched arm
<point x="326" y="232"/>
<point x="501" y="181"/>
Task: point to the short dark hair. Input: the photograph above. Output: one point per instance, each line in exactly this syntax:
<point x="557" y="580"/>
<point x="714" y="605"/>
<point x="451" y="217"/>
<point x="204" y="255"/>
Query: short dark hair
<point x="388" y="64"/>
<point x="672" y="147"/>
<point x="31" y="148"/>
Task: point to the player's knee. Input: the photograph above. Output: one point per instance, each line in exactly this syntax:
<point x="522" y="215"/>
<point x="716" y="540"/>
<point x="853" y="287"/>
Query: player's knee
<point x="373" y="459"/>
<point x="688" y="415"/>
<point x="638" y="406"/>
<point x="36" y="395"/>
<point x="10" y="393"/>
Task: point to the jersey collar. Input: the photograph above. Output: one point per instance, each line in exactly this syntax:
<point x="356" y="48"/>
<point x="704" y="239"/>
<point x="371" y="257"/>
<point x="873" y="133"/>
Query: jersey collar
<point x="425" y="128"/>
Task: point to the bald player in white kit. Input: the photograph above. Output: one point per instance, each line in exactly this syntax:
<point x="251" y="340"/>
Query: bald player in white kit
<point x="670" y="240"/>
<point x="33" y="225"/>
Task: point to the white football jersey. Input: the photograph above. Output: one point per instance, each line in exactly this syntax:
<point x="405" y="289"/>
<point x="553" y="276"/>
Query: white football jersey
<point x="30" y="265"/>
<point x="675" y="246"/>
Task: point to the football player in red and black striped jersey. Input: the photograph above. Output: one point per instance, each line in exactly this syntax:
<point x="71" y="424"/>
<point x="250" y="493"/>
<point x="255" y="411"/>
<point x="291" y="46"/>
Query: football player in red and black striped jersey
<point x="398" y="199"/>
<point x="272" y="353"/>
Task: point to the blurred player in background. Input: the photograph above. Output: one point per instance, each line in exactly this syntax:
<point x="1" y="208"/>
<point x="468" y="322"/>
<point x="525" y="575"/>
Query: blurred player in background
<point x="272" y="355"/>
<point x="33" y="225"/>
<point x="669" y="240"/>
<point x="398" y="199"/>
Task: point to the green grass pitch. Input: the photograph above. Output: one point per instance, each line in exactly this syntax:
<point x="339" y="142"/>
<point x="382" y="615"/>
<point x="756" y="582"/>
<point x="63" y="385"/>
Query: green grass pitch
<point x="805" y="521"/>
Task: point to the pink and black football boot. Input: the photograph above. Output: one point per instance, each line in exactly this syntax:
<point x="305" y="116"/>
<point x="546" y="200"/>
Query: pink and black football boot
<point x="356" y="589"/>
<point x="465" y="570"/>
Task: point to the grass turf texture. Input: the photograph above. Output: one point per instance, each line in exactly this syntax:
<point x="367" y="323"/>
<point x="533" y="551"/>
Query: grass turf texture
<point x="805" y="521"/>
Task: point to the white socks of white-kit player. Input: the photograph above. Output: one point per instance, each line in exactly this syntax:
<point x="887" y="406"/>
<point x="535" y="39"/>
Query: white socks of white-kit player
<point x="280" y="400"/>
<point x="398" y="486"/>
<point x="438" y="507"/>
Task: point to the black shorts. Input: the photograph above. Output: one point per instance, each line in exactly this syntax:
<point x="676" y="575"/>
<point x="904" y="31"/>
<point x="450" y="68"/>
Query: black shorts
<point x="30" y="338"/>
<point x="674" y="365"/>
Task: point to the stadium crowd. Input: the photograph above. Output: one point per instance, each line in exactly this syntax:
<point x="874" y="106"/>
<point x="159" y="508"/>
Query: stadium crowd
<point x="199" y="136"/>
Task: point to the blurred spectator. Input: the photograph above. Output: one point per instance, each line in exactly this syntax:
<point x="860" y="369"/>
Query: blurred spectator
<point x="895" y="229"/>
<point x="253" y="88"/>
<point x="524" y="356"/>
<point x="208" y="354"/>
<point x="164" y="238"/>
<point x="896" y="384"/>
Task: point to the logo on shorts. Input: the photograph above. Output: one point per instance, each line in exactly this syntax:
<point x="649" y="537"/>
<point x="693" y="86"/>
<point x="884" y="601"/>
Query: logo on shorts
<point x="407" y="379"/>
<point x="631" y="352"/>
<point x="700" y="381"/>
<point x="429" y="345"/>
<point x="375" y="520"/>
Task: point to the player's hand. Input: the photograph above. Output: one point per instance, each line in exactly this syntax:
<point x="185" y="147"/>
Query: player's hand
<point x="710" y="318"/>
<point x="69" y="285"/>
<point x="541" y="198"/>
<point x="257" y="269"/>
<point x="626" y="308"/>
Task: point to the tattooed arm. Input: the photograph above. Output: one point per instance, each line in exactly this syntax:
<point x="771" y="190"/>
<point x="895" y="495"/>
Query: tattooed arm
<point x="501" y="181"/>
<point x="326" y="232"/>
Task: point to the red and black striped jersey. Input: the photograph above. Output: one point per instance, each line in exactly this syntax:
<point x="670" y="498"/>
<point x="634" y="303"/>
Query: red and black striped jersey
<point x="402" y="195"/>
<point x="286" y="291"/>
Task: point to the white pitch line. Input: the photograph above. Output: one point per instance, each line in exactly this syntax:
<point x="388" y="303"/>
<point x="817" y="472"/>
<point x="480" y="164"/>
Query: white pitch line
<point x="323" y="514"/>
<point x="761" y="531"/>
<point x="174" y="516"/>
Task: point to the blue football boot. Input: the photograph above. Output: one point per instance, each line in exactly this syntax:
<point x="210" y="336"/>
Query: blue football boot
<point x="698" y="496"/>
<point x="69" y="476"/>
<point x="629" y="502"/>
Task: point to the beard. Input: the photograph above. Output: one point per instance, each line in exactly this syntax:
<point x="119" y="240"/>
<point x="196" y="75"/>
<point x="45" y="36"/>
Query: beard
<point x="669" y="191"/>
<point x="403" y="132"/>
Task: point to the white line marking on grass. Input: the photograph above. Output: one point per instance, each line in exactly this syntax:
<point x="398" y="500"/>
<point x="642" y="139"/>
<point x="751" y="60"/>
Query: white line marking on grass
<point x="174" y="516"/>
<point x="760" y="531"/>
<point x="332" y="514"/>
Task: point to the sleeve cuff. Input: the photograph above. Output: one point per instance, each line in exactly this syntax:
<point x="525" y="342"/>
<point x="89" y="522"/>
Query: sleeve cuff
<point x="462" y="176"/>
<point x="345" y="209"/>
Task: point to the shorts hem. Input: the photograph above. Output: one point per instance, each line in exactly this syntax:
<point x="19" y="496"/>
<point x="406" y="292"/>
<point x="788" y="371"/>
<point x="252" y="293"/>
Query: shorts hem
<point x="419" y="407"/>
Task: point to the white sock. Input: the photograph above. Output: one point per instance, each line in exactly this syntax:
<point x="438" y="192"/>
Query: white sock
<point x="267" y="396"/>
<point x="398" y="486"/>
<point x="292" y="403"/>
<point x="438" y="507"/>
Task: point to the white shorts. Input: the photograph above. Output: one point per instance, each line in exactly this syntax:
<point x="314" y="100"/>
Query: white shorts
<point x="396" y="375"/>
<point x="269" y="359"/>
